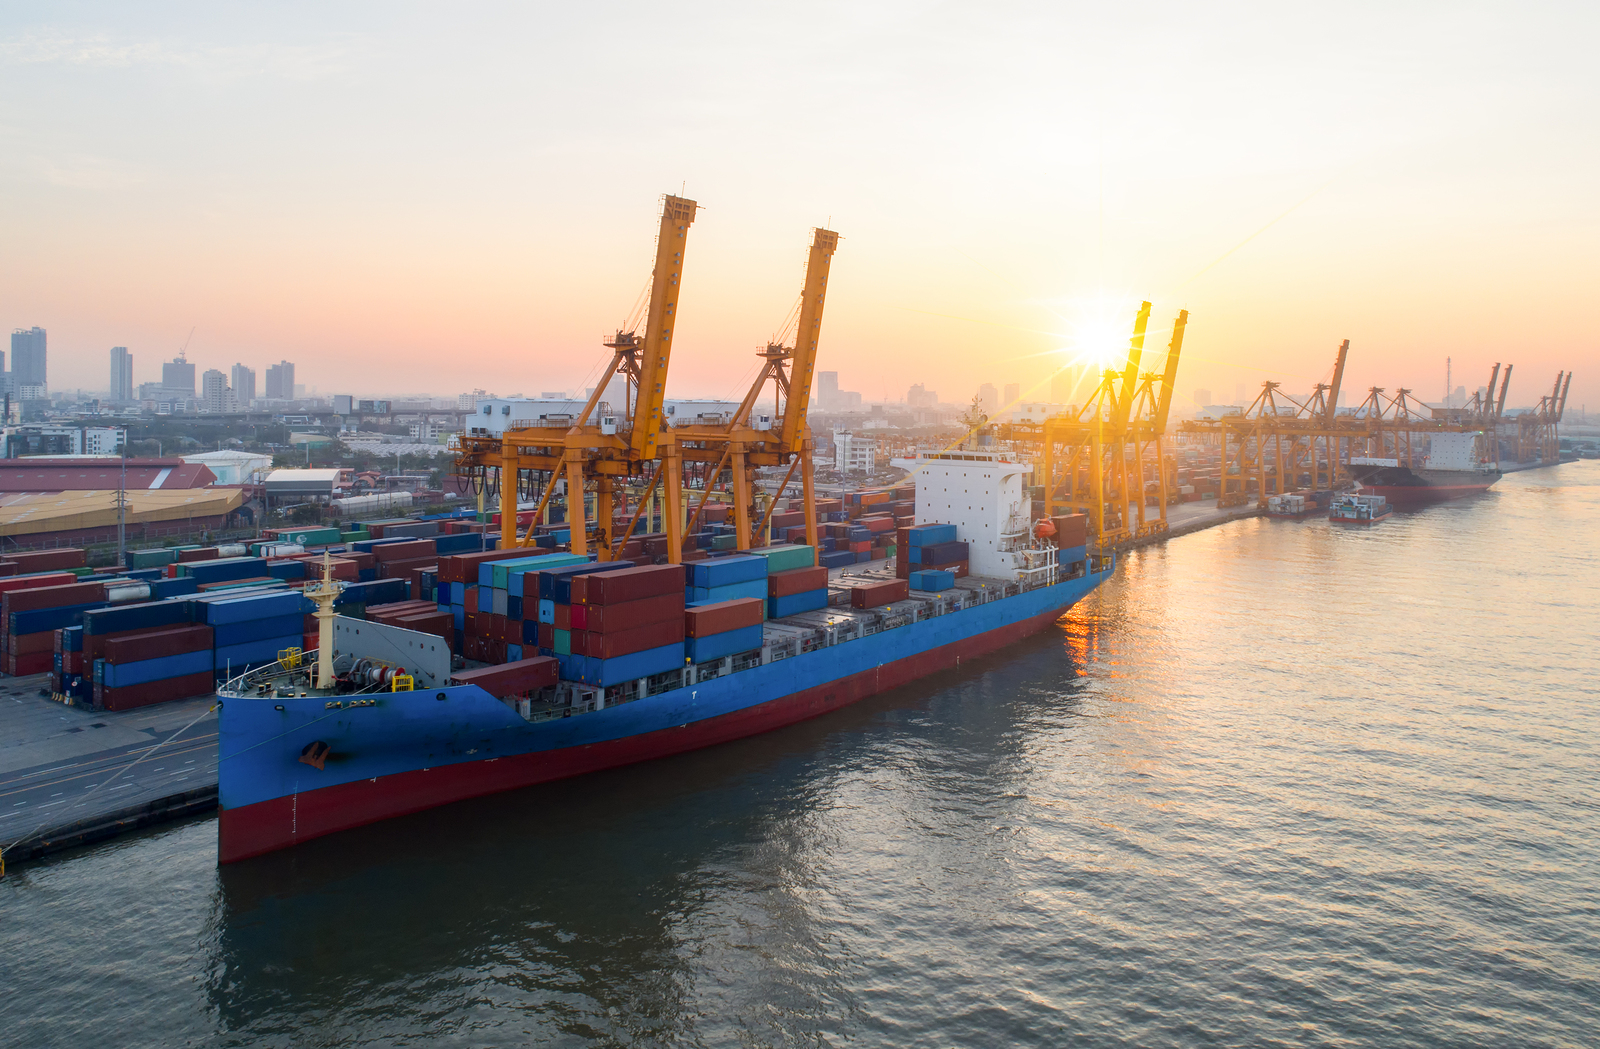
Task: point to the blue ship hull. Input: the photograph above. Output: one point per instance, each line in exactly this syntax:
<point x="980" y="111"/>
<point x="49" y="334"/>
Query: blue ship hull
<point x="387" y="754"/>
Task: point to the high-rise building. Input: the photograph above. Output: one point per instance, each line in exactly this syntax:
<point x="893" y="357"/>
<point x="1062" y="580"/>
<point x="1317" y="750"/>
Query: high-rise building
<point x="989" y="399"/>
<point x="827" y="389"/>
<point x="28" y="358"/>
<point x="468" y="402"/>
<point x="244" y="385"/>
<point x="214" y="391"/>
<point x="920" y="397"/>
<point x="121" y="374"/>
<point x="280" y="382"/>
<point x="177" y="375"/>
<point x="1013" y="394"/>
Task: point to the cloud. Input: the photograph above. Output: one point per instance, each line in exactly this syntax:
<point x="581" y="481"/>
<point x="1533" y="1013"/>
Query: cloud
<point x="289" y="62"/>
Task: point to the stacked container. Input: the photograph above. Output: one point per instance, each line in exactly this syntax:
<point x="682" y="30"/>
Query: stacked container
<point x="930" y="547"/>
<point x="796" y="590"/>
<point x="623" y="624"/>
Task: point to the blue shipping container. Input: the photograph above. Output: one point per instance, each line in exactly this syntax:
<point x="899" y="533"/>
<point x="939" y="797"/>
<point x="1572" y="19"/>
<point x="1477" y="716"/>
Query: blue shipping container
<point x="143" y="616"/>
<point x="547" y="611"/>
<point x="934" y="580"/>
<point x="237" y="658"/>
<point x="258" y="606"/>
<point x="1072" y="555"/>
<point x="836" y="559"/>
<point x="794" y="604"/>
<point x="715" y="646"/>
<point x="930" y="534"/>
<point x="119" y="675"/>
<point x="749" y="588"/>
<point x="42" y="619"/>
<point x="943" y="553"/>
<point x="226" y="634"/>
<point x="607" y="672"/>
<point x="725" y="571"/>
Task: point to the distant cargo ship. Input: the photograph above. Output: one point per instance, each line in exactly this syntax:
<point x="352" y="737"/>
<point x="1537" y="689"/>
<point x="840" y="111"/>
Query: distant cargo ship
<point x="1455" y="467"/>
<point x="378" y="722"/>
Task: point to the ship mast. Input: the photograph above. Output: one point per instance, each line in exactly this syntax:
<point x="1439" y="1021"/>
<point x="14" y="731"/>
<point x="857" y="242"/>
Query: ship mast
<point x="324" y="592"/>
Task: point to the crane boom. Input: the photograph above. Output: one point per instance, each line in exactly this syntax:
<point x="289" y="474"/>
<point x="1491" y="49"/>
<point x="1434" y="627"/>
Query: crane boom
<point x="1561" y="409"/>
<point x="1164" y="402"/>
<point x="1130" y="375"/>
<point x="1505" y="384"/>
<point x="807" y="332"/>
<point x="676" y="216"/>
<point x="1332" y="407"/>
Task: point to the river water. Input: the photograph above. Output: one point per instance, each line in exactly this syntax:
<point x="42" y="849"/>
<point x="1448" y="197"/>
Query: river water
<point x="1277" y="783"/>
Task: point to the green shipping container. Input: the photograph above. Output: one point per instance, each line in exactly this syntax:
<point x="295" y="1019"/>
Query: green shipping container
<point x="724" y="542"/>
<point x="501" y="572"/>
<point x="151" y="558"/>
<point x="563" y="642"/>
<point x="358" y="536"/>
<point x="311" y="536"/>
<point x="783" y="558"/>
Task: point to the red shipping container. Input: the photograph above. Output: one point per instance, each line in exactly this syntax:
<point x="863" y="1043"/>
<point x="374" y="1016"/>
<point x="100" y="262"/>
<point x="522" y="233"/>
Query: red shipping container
<point x="34" y="582"/>
<point x="8" y="568"/>
<point x="862" y="547"/>
<point x="409" y="550"/>
<point x="463" y="568"/>
<point x="28" y="644"/>
<point x="511" y="679"/>
<point x="152" y="644"/>
<point x="72" y="662"/>
<point x="722" y="616"/>
<point x="29" y="663"/>
<point x="878" y="524"/>
<point x="626" y="642"/>
<point x="874" y="594"/>
<point x="47" y="560"/>
<point x="440" y="624"/>
<point x="469" y="599"/>
<point x="577" y="616"/>
<point x="130" y="696"/>
<point x="796" y="581"/>
<point x="309" y="641"/>
<point x="1071" y="530"/>
<point x="205" y="553"/>
<point x="633" y="584"/>
<point x="563" y="617"/>
<point x="469" y="625"/>
<point x="403" y="569"/>
<point x="547" y="636"/>
<point x="50" y="597"/>
<point x="630" y="615"/>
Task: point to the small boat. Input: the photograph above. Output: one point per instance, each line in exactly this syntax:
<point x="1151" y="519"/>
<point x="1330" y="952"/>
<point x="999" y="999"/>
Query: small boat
<point x="1359" y="509"/>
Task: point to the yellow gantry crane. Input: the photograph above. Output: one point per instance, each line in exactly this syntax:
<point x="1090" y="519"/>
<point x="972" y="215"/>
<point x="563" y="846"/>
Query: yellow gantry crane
<point x="601" y="443"/>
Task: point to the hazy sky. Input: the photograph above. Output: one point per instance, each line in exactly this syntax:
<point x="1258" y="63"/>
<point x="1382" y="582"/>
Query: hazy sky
<point x="436" y="198"/>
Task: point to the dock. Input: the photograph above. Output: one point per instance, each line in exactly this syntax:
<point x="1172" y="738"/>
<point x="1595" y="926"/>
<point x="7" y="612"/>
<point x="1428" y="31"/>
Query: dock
<point x="73" y="775"/>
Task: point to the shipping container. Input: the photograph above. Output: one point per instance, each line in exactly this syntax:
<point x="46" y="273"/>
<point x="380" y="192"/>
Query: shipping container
<point x="161" y="668"/>
<point x="631" y="584"/>
<point x="153" y="692"/>
<point x="608" y="672"/>
<point x="872" y="595"/>
<point x="756" y="588"/>
<point x="721" y="616"/>
<point x="628" y="615"/>
<point x="797" y="581"/>
<point x="517" y="678"/>
<point x="723" y="571"/>
<point x="718" y="646"/>
<point x="932" y="580"/>
<point x="930" y="534"/>
<point x="626" y="642"/>
<point x="153" y="644"/>
<point x="794" y="604"/>
<point x="785" y="558"/>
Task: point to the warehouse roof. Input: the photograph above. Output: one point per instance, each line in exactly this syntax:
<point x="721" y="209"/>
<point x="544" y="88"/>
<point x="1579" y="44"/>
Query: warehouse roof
<point x="78" y="473"/>
<point x="24" y="513"/>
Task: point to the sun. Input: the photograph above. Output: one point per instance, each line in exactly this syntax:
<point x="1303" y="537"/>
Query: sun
<point x="1097" y="331"/>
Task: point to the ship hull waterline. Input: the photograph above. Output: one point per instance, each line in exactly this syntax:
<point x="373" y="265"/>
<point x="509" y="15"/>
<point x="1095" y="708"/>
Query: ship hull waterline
<point x="309" y="811"/>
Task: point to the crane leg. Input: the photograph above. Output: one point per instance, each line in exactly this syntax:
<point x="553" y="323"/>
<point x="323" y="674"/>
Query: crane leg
<point x="808" y="496"/>
<point x="508" y="495"/>
<point x="603" y="492"/>
<point x="575" y="508"/>
<point x="741" y="500"/>
<point x="672" y="488"/>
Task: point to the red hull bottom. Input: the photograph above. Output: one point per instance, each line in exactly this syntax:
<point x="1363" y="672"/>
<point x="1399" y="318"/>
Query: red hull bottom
<point x="1421" y="495"/>
<point x="281" y="822"/>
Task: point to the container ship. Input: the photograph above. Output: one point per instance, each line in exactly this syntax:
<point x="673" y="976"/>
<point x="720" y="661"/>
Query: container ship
<point x="624" y="662"/>
<point x="1455" y="467"/>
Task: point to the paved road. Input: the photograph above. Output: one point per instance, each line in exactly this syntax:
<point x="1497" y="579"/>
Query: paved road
<point x="61" y="766"/>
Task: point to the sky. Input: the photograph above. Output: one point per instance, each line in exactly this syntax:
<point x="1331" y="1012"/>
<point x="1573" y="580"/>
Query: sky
<point x="409" y="199"/>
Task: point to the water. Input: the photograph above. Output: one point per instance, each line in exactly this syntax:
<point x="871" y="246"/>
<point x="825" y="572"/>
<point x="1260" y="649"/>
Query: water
<point x="1277" y="784"/>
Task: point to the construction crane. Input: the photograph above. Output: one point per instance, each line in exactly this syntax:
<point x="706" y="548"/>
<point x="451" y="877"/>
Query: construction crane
<point x="599" y="443"/>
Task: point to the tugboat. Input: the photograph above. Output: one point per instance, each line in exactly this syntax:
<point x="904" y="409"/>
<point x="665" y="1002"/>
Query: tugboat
<point x="1359" y="509"/>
